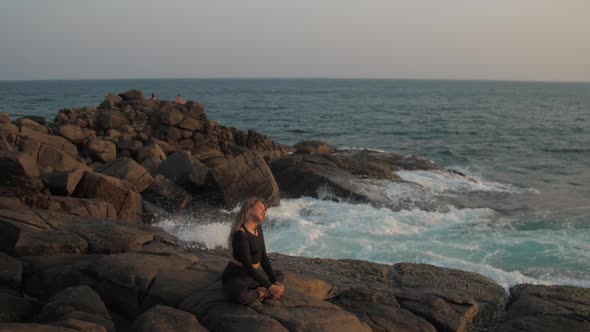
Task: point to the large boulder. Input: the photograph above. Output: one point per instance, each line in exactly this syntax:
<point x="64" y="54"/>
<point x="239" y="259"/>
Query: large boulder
<point x="81" y="303"/>
<point x="93" y="208"/>
<point x="125" y="278"/>
<point x="127" y="202"/>
<point x="547" y="308"/>
<point x="49" y="157"/>
<point x="245" y="175"/>
<point x="166" y="319"/>
<point x="110" y="119"/>
<point x="167" y="195"/>
<point x="129" y="170"/>
<point x="490" y="297"/>
<point x="182" y="168"/>
<point x="100" y="150"/>
<point x="28" y="124"/>
<point x="53" y="141"/>
<point x="74" y="134"/>
<point x="14" y="166"/>
<point x="63" y="183"/>
<point x="132" y="95"/>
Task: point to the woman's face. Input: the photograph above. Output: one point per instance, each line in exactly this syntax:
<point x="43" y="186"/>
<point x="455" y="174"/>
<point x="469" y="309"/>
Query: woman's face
<point x="257" y="212"/>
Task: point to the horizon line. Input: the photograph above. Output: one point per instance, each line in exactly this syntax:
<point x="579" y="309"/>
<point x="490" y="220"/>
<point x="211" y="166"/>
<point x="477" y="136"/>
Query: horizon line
<point x="296" y="78"/>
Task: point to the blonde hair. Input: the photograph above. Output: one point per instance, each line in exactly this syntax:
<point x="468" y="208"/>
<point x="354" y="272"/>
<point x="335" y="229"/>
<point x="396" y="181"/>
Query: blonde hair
<point x="240" y="219"/>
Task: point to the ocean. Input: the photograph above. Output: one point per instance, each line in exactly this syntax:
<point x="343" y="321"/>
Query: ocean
<point x="527" y="145"/>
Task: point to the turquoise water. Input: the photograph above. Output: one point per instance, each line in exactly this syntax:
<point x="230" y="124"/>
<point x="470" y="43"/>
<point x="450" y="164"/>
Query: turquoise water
<point x="527" y="144"/>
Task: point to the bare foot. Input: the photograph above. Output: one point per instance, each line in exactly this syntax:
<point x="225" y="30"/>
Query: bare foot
<point x="264" y="292"/>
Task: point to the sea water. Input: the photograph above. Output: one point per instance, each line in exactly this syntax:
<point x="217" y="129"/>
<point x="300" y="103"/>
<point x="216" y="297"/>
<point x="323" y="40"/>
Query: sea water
<point x="521" y="215"/>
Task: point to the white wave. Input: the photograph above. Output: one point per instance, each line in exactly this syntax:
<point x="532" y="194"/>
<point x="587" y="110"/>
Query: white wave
<point x="212" y="235"/>
<point x="442" y="181"/>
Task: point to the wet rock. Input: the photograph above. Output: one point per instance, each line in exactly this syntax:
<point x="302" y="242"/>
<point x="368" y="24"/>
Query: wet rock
<point x="182" y="168"/>
<point x="129" y="170"/>
<point x="166" y="319"/>
<point x="167" y="195"/>
<point x="243" y="176"/>
<point x="547" y="308"/>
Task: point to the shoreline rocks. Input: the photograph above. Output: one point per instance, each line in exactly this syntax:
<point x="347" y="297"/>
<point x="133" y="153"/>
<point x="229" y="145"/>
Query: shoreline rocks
<point x="77" y="254"/>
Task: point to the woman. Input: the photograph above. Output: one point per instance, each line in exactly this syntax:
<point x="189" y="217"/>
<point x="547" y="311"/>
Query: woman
<point x="249" y="275"/>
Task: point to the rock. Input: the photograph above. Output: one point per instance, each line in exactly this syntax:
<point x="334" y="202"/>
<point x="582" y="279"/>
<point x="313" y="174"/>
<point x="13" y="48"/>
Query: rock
<point x="81" y="303"/>
<point x="132" y="95"/>
<point x="190" y="124"/>
<point x="447" y="311"/>
<point x="14" y="308"/>
<point x="150" y="151"/>
<point x="14" y="327"/>
<point x="56" y="142"/>
<point x="79" y="325"/>
<point x="129" y="170"/>
<point x="308" y="285"/>
<point x="100" y="150"/>
<point x="166" y="194"/>
<point x="7" y="128"/>
<point x="49" y="157"/>
<point x="125" y="278"/>
<point x="14" y="166"/>
<point x="74" y="134"/>
<point x="166" y="319"/>
<point x="380" y="311"/>
<point x="313" y="147"/>
<point x="10" y="272"/>
<point x="46" y="243"/>
<point x="547" y="308"/>
<point x="48" y="275"/>
<point x="110" y="119"/>
<point x="110" y="102"/>
<point x="6" y="144"/>
<point x="490" y="296"/>
<point x="172" y="287"/>
<point x="182" y="168"/>
<point x="5" y="117"/>
<point x="127" y="202"/>
<point x="132" y="145"/>
<point x="172" y="118"/>
<point x="93" y="208"/>
<point x="243" y="176"/>
<point x="30" y="124"/>
<point x="63" y="183"/>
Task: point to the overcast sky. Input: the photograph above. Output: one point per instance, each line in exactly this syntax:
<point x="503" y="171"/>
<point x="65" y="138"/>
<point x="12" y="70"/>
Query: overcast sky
<point x="443" y="39"/>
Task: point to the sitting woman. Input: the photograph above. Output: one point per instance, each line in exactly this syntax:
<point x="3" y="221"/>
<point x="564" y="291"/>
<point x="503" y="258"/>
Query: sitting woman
<point x="249" y="275"/>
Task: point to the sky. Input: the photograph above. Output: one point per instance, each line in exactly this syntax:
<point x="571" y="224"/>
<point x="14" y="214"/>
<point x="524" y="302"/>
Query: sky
<point x="530" y="40"/>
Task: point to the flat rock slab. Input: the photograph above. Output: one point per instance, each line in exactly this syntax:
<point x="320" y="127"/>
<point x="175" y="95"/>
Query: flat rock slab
<point x="490" y="296"/>
<point x="547" y="308"/>
<point x="165" y="319"/>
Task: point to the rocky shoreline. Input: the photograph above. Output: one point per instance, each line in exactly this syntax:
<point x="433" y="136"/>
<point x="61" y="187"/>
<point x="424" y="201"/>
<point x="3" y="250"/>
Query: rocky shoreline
<point x="78" y="253"/>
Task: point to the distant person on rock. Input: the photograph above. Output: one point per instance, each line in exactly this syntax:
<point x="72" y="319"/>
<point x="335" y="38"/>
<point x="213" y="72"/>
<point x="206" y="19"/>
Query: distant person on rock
<point x="179" y="100"/>
<point x="154" y="96"/>
<point x="249" y="276"/>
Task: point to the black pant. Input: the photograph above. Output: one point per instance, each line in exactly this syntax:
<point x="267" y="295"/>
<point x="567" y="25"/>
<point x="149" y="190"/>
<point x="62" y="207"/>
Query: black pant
<point x="238" y="286"/>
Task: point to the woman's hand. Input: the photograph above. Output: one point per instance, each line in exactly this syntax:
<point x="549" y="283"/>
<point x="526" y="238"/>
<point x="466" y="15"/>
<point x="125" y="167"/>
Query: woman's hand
<point x="276" y="290"/>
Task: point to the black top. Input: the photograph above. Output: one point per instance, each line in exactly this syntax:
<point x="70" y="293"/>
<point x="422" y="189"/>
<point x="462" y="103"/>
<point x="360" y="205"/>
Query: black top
<point x="249" y="249"/>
